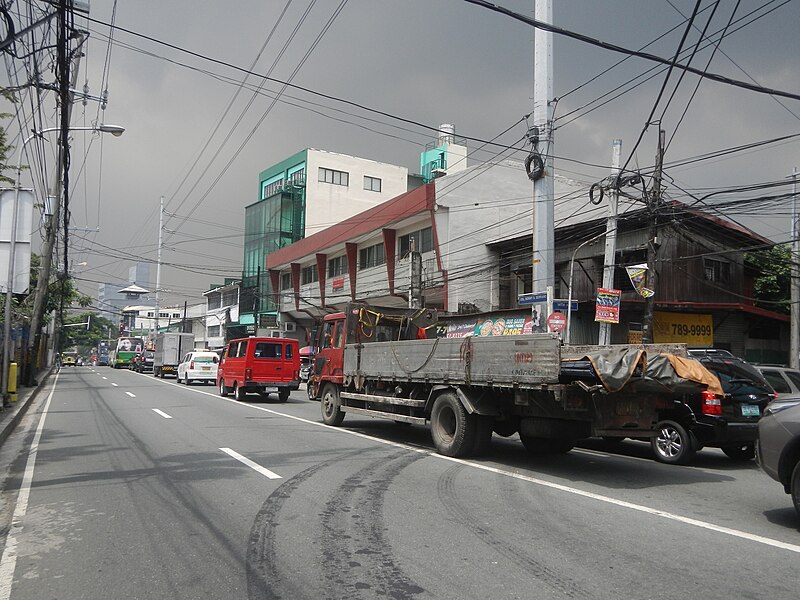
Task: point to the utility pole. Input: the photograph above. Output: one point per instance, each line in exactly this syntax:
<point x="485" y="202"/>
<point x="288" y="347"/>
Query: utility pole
<point x="415" y="277"/>
<point x="794" y="343"/>
<point x="543" y="242"/>
<point x="609" y="260"/>
<point x="653" y="204"/>
<point x="43" y="282"/>
<point x="158" y="265"/>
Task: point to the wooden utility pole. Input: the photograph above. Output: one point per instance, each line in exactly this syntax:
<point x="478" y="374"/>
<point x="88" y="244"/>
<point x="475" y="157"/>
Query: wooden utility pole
<point x="653" y="205"/>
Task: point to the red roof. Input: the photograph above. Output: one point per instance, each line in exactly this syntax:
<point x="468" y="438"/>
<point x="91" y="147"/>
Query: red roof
<point x="411" y="203"/>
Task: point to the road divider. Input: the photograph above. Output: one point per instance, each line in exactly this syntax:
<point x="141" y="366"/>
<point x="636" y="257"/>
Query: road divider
<point x="253" y="465"/>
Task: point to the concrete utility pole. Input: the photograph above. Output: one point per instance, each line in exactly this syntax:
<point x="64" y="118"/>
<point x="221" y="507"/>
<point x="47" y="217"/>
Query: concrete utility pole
<point x="543" y="257"/>
<point x="653" y="205"/>
<point x="415" y="277"/>
<point x="609" y="261"/>
<point x="794" y="343"/>
<point x="158" y="265"/>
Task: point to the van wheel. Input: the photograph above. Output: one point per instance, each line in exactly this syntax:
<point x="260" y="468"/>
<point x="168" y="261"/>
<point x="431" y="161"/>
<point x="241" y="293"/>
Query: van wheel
<point x="453" y="430"/>
<point x="332" y="413"/>
<point x="673" y="444"/>
<point x="223" y="391"/>
<point x="239" y="392"/>
<point x="283" y="395"/>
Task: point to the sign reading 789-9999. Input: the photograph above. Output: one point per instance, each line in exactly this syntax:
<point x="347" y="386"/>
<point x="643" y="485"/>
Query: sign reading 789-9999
<point x="683" y="328"/>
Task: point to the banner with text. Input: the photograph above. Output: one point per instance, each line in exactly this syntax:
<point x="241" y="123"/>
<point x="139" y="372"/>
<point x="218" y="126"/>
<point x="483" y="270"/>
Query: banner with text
<point x="690" y="329"/>
<point x="607" y="305"/>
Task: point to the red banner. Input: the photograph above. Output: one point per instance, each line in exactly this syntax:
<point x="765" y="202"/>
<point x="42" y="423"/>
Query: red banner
<point x="607" y="306"/>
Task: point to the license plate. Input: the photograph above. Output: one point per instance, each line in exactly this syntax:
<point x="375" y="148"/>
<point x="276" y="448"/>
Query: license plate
<point x="206" y="368"/>
<point x="750" y="410"/>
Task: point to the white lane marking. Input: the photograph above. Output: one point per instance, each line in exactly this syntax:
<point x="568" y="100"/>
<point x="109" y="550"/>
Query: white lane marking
<point x="162" y="413"/>
<point x="557" y="486"/>
<point x="9" y="561"/>
<point x="253" y="465"/>
<point x="115" y="384"/>
<point x="105" y="377"/>
<point x="131" y="395"/>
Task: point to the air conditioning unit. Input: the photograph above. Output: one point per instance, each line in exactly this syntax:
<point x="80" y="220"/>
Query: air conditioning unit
<point x="274" y="333"/>
<point x="289" y="326"/>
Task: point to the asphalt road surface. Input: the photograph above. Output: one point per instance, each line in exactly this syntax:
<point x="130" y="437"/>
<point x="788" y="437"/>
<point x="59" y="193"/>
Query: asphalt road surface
<point x="121" y="485"/>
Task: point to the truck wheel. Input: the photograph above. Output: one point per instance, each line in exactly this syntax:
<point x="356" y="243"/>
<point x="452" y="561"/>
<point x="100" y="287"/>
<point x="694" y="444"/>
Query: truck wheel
<point x="239" y="392"/>
<point x="740" y="452"/>
<point x="283" y="395"/>
<point x="453" y="430"/>
<point x="332" y="413"/>
<point x="672" y="444"/>
<point x="795" y="487"/>
<point x="223" y="391"/>
<point x="540" y="445"/>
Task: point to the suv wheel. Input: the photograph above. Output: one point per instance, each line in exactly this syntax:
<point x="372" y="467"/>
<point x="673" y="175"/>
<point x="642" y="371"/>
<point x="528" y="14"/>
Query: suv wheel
<point x="673" y="444"/>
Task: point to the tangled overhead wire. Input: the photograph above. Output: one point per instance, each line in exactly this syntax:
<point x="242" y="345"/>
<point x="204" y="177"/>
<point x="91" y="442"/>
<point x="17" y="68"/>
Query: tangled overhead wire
<point x="597" y="190"/>
<point x="534" y="164"/>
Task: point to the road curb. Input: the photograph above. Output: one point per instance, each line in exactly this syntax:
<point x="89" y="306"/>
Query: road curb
<point x="12" y="415"/>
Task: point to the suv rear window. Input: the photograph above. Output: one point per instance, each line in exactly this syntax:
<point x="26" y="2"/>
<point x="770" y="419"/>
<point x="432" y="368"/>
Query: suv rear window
<point x="739" y="375"/>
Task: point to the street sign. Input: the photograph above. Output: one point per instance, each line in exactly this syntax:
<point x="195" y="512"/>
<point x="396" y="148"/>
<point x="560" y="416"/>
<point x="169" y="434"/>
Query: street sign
<point x="561" y="305"/>
<point x="533" y="298"/>
<point x="556" y="322"/>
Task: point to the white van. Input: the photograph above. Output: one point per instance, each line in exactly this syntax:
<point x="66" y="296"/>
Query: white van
<point x="198" y="366"/>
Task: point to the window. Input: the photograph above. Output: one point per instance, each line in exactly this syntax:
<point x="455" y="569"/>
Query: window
<point x="334" y="177"/>
<point x="371" y="256"/>
<point x="288" y="351"/>
<point x="423" y="241"/>
<point x="214" y="330"/>
<point x="237" y="349"/>
<point x="716" y="270"/>
<point x="268" y="350"/>
<point x="164" y="315"/>
<point x="327" y="335"/>
<point x="286" y="281"/>
<point x="298" y="177"/>
<point x="150" y="314"/>
<point x="373" y="184"/>
<point x="176" y="315"/>
<point x="337" y="266"/>
<point x="777" y="382"/>
<point x="271" y="189"/>
<point x="309" y="275"/>
<point x="229" y="298"/>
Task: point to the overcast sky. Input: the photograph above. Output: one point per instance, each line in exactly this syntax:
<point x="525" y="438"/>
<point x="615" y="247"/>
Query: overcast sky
<point x="428" y="61"/>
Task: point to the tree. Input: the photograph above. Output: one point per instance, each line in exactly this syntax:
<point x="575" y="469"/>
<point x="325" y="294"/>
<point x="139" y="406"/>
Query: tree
<point x="4" y="147"/>
<point x="86" y="339"/>
<point x="773" y="266"/>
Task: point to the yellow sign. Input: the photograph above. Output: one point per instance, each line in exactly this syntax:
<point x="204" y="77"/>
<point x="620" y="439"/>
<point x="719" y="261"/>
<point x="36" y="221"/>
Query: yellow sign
<point x="674" y="328"/>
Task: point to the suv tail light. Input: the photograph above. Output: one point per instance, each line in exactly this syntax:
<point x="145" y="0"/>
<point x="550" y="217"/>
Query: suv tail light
<point x="248" y="374"/>
<point x="712" y="404"/>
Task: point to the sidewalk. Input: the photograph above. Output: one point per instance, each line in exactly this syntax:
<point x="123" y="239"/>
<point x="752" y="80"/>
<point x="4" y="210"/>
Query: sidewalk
<point x="10" y="416"/>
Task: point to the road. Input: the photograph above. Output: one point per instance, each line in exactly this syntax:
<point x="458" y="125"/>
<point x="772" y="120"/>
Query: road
<point x="121" y="485"/>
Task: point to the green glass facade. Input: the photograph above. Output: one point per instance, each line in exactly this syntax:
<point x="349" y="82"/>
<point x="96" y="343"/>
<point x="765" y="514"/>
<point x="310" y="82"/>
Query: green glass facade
<point x="276" y="220"/>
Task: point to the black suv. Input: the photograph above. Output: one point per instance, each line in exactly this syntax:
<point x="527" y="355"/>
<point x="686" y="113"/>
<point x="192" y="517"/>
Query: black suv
<point x="729" y="422"/>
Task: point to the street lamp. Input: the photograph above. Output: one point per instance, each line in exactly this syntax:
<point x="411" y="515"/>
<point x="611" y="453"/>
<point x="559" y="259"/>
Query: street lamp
<point x="114" y="130"/>
<point x="571" y="270"/>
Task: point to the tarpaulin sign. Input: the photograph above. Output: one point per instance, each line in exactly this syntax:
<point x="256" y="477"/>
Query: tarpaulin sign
<point x="607" y="306"/>
<point x="638" y="274"/>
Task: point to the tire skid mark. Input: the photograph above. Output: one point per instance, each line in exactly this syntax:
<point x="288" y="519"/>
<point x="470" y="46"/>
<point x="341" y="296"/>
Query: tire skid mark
<point x="265" y="580"/>
<point x="356" y="553"/>
<point x="450" y="500"/>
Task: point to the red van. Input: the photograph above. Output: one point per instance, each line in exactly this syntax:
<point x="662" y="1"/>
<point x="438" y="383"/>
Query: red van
<point x="260" y="365"/>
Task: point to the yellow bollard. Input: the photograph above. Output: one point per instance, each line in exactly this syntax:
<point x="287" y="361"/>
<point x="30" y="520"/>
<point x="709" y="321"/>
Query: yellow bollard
<point x="12" y="382"/>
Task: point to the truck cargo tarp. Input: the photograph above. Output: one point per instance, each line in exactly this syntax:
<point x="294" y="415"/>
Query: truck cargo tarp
<point x="615" y="367"/>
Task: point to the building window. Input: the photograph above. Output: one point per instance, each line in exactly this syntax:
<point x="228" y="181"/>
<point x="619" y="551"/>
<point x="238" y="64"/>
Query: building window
<point x="337" y="266"/>
<point x="272" y="189"/>
<point x="176" y="315"/>
<point x="423" y="241"/>
<point x="214" y="300"/>
<point x="334" y="177"/>
<point x="286" y="281"/>
<point x="214" y="330"/>
<point x="298" y="177"/>
<point x="230" y="297"/>
<point x="309" y="275"/>
<point x="373" y="184"/>
<point x="163" y="315"/>
<point x="717" y="270"/>
<point x="150" y="314"/>
<point x="371" y="256"/>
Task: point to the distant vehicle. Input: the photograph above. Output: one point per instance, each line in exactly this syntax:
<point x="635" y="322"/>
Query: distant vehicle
<point x="68" y="361"/>
<point x="102" y="353"/>
<point x="306" y="362"/>
<point x="779" y="445"/>
<point x="126" y="349"/>
<point x="199" y="366"/>
<point x="728" y="421"/>
<point x="784" y="381"/>
<point x="169" y="350"/>
<point x="144" y="362"/>
<point x="261" y="365"/>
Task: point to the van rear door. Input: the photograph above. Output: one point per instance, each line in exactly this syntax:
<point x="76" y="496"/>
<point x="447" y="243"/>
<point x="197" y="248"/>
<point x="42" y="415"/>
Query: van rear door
<point x="268" y="362"/>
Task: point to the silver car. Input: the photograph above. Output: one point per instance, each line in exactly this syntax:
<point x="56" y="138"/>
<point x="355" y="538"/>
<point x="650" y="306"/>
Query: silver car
<point x="778" y="445"/>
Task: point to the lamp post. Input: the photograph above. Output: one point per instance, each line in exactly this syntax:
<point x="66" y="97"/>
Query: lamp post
<point x="114" y="130"/>
<point x="571" y="270"/>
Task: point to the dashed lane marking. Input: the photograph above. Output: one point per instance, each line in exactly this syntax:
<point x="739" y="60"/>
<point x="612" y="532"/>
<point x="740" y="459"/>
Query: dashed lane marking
<point x="253" y="465"/>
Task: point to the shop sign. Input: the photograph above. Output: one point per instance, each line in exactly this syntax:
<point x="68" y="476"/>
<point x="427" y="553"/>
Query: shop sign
<point x="690" y="329"/>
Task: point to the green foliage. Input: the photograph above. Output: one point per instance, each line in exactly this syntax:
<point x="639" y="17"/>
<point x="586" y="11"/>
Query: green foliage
<point x="85" y="339"/>
<point x="5" y="149"/>
<point x="774" y="273"/>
